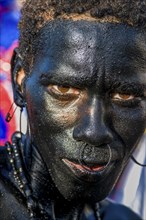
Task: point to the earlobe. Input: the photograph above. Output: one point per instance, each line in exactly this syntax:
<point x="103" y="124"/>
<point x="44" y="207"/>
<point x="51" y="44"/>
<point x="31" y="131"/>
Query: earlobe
<point x="18" y="76"/>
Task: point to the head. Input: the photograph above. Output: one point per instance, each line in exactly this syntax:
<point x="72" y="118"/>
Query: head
<point x="81" y="73"/>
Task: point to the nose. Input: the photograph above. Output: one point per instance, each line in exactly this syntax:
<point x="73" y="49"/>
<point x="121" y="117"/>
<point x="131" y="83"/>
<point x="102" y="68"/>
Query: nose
<point x="93" y="124"/>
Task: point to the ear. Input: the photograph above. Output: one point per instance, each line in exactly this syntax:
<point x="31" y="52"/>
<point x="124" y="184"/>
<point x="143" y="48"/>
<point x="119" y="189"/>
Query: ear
<point x="17" y="76"/>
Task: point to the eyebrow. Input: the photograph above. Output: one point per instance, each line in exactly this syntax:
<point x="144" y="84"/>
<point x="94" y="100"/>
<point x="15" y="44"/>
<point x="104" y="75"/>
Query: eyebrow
<point x="134" y="87"/>
<point x="69" y="80"/>
<point x="66" y="80"/>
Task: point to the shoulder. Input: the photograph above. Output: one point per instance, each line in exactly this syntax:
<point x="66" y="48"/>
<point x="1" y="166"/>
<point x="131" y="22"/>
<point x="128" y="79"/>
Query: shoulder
<point x="3" y="154"/>
<point x="5" y="166"/>
<point x="12" y="203"/>
<point x="114" y="211"/>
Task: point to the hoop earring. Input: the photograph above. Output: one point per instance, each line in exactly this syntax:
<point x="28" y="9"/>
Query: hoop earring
<point x="20" y="120"/>
<point x="28" y="130"/>
<point x="135" y="161"/>
<point x="18" y="134"/>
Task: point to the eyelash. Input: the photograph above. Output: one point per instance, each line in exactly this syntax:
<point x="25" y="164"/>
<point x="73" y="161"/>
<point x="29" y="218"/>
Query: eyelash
<point x="61" y="96"/>
<point x="138" y="96"/>
<point x="128" y="103"/>
<point x="134" y="102"/>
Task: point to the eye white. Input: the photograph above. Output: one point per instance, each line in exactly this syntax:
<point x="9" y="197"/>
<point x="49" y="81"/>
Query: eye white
<point x="125" y="97"/>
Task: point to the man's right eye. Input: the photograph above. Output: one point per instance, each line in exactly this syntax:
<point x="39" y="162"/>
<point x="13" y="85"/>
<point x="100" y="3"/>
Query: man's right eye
<point x="63" y="92"/>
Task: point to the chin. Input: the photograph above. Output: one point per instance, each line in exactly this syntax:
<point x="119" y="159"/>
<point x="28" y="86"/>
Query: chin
<point x="79" y="188"/>
<point x="85" y="193"/>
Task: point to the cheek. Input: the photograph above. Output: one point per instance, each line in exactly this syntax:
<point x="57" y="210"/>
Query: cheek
<point x="62" y="116"/>
<point x="48" y="112"/>
<point x="129" y="124"/>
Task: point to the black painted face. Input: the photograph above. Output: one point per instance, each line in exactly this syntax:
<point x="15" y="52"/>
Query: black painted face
<point x="86" y="95"/>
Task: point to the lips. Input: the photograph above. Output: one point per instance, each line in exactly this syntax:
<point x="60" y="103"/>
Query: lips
<point x="93" y="173"/>
<point x="84" y="168"/>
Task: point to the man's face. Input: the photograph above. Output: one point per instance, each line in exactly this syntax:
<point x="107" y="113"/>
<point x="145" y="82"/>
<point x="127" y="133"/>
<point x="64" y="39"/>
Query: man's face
<point x="86" y="94"/>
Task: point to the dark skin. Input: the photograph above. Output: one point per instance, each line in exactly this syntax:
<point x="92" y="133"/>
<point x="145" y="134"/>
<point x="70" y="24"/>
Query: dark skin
<point x="86" y="91"/>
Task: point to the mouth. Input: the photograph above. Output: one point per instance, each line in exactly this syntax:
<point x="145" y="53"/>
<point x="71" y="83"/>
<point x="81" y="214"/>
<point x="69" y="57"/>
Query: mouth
<point x="88" y="173"/>
<point x="84" y="168"/>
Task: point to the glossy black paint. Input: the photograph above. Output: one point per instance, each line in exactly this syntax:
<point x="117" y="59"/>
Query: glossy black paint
<point x="97" y="60"/>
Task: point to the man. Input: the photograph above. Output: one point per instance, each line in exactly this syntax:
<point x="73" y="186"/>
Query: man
<point x="80" y="71"/>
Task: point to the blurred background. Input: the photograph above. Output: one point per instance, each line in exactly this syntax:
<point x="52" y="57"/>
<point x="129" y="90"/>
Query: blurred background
<point x="131" y="189"/>
<point x="9" y="17"/>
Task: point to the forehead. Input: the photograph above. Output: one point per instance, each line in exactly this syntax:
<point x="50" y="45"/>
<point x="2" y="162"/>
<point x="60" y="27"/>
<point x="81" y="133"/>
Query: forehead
<point x="84" y="48"/>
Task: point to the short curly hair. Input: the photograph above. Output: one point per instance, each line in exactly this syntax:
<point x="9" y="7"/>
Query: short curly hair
<point x="35" y="14"/>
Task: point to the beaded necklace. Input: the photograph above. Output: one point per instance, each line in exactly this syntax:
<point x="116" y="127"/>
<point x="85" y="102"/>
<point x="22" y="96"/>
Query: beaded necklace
<point x="22" y="183"/>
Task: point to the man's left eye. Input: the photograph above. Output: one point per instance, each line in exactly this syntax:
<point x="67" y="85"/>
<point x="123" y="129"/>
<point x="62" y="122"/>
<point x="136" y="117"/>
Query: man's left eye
<point x="122" y="97"/>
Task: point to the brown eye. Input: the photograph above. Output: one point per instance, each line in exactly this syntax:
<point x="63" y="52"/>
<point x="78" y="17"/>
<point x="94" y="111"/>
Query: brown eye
<point x="122" y="97"/>
<point x="63" y="91"/>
